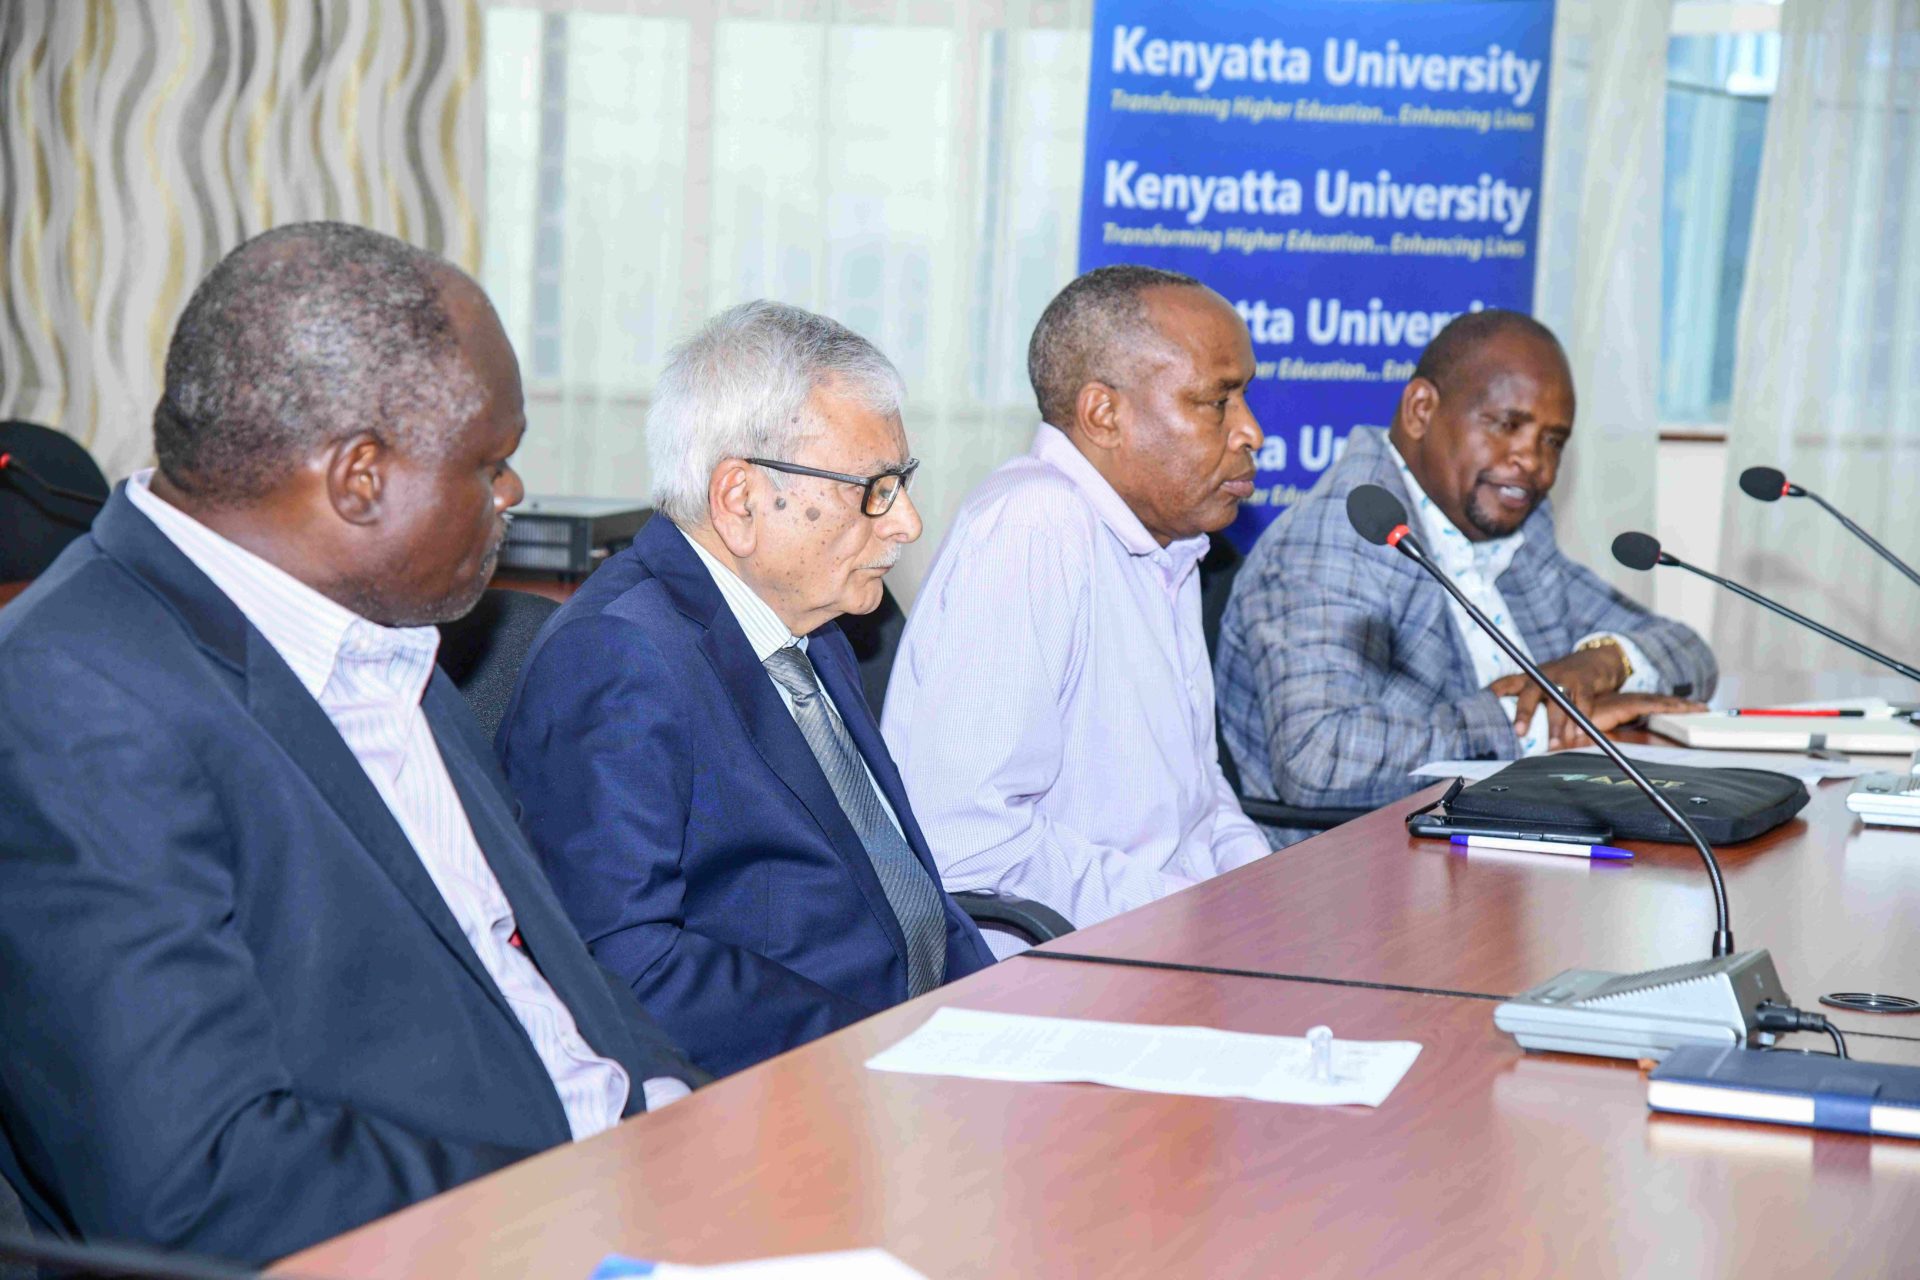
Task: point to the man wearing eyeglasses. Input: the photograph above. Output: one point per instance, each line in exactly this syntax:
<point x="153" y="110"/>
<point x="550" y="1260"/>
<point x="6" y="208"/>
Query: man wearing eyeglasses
<point x="701" y="775"/>
<point x="1052" y="703"/>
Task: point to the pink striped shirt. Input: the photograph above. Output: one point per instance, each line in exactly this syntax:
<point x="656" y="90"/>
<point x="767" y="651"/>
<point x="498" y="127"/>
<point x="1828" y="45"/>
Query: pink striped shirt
<point x="369" y="679"/>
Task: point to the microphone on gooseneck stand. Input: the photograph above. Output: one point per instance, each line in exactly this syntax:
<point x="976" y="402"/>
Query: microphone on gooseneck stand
<point x="1379" y="517"/>
<point x="10" y="464"/>
<point x="1642" y="551"/>
<point x="1635" y="1015"/>
<point x="1770" y="484"/>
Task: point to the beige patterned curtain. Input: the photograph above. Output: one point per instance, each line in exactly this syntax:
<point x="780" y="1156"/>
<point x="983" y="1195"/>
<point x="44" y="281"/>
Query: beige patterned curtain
<point x="908" y="167"/>
<point x="1598" y="283"/>
<point x="1826" y="379"/>
<point x="140" y="140"/>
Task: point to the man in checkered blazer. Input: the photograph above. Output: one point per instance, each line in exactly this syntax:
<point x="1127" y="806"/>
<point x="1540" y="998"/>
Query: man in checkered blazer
<point x="1342" y="665"/>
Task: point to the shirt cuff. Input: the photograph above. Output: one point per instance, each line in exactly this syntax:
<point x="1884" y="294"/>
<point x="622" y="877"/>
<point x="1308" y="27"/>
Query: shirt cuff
<point x="1645" y="677"/>
<point x="1534" y="741"/>
<point x="1237" y="840"/>
<point x="661" y="1090"/>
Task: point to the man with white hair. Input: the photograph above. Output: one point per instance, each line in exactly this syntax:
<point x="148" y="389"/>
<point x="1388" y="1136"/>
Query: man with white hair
<point x="701" y="775"/>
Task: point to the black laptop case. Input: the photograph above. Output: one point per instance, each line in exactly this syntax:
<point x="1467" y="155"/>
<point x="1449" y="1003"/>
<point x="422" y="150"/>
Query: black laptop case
<point x="1725" y="805"/>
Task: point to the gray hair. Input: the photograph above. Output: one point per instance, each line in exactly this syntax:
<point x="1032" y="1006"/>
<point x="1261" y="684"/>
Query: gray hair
<point x="738" y="389"/>
<point x="1089" y="332"/>
<point x="302" y="337"/>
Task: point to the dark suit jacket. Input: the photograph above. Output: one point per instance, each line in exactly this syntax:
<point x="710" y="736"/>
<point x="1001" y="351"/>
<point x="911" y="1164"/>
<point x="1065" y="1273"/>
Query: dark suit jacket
<point x="686" y="825"/>
<point x="238" y="1016"/>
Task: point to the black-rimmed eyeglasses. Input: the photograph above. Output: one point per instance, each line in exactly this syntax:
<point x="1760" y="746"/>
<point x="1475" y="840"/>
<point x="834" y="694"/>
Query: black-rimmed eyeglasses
<point x="877" y="493"/>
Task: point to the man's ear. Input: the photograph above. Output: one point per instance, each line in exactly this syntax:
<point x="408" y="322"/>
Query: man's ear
<point x="1097" y="411"/>
<point x="1419" y="401"/>
<point x="356" y="474"/>
<point x="734" y="500"/>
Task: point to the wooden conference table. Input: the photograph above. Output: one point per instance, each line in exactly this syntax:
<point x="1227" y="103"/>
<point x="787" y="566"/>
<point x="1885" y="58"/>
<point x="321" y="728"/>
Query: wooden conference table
<point x="1833" y="901"/>
<point x="1485" y="1160"/>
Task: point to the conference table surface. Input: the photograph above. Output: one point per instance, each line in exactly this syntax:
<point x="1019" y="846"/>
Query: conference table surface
<point x="1833" y="901"/>
<point x="1484" y="1161"/>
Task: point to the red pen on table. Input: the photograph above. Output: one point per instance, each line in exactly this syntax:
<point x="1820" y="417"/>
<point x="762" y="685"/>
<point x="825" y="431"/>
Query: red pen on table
<point x="1856" y="713"/>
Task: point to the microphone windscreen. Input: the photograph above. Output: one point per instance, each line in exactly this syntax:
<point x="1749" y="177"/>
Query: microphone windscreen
<point x="1375" y="512"/>
<point x="1637" y="550"/>
<point x="1768" y="484"/>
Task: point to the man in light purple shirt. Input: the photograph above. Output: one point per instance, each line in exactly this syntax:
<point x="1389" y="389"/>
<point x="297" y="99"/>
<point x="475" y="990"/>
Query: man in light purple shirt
<point x="1051" y="707"/>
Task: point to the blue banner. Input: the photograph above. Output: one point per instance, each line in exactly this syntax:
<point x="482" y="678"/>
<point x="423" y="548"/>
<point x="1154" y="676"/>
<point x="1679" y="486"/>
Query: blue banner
<point x="1350" y="174"/>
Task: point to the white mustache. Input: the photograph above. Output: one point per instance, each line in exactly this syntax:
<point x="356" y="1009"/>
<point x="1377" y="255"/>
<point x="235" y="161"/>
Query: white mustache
<point x="892" y="558"/>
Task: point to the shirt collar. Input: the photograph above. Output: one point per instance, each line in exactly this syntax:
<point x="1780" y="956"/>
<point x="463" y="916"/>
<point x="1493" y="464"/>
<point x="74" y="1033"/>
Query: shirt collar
<point x="1456" y="552"/>
<point x="1176" y="559"/>
<point x="765" y="631"/>
<point x="309" y="631"/>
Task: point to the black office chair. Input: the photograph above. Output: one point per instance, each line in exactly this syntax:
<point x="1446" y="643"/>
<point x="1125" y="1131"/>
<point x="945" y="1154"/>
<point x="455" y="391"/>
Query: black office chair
<point x="483" y="652"/>
<point x="13" y="1225"/>
<point x="61" y="1260"/>
<point x="1273" y="813"/>
<point x="1031" y="922"/>
<point x="875" y="638"/>
<point x="20" y="1224"/>
<point x="1217" y="570"/>
<point x="35" y="524"/>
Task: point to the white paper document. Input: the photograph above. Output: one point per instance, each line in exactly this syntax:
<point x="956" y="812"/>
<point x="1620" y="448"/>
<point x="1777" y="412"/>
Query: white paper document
<point x="1805" y="768"/>
<point x="1190" y="1060"/>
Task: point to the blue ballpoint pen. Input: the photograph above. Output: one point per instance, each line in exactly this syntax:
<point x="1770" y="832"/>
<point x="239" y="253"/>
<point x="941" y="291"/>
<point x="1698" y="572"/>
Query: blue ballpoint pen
<point x="1598" y="852"/>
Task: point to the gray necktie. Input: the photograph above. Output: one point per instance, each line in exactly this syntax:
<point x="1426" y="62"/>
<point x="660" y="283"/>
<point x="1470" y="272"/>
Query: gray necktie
<point x="911" y="892"/>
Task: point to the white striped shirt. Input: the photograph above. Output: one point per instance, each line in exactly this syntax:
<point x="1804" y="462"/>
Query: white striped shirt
<point x="766" y="633"/>
<point x="369" y="679"/>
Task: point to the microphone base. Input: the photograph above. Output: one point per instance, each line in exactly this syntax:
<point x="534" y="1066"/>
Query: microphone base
<point x="1648" y="1014"/>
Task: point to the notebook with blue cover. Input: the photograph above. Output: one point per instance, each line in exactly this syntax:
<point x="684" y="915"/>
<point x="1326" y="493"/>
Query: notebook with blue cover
<point x="1815" y="1090"/>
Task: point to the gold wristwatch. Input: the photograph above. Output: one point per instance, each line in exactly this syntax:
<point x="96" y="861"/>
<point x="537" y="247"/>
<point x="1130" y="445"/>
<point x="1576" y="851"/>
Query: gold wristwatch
<point x="1609" y="642"/>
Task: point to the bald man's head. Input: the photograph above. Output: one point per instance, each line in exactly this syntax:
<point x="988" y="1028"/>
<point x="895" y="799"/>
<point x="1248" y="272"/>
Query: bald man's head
<point x="302" y="337"/>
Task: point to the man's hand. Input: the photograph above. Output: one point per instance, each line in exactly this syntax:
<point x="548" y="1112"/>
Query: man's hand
<point x="1586" y="676"/>
<point x="1612" y="710"/>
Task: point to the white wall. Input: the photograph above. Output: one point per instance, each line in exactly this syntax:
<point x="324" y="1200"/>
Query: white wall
<point x="1690" y="495"/>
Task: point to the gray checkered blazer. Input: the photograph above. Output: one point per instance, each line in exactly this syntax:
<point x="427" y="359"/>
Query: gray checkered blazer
<point x="1339" y="666"/>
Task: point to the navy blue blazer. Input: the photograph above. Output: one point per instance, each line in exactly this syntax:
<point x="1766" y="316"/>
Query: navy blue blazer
<point x="687" y="827"/>
<point x="239" y="1018"/>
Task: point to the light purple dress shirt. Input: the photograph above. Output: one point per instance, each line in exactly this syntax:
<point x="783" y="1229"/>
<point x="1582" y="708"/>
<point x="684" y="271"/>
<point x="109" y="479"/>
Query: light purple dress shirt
<point x="1051" y="708"/>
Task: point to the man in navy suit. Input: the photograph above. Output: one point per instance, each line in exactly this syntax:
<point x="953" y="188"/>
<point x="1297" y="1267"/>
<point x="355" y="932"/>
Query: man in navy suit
<point x="277" y="960"/>
<point x="703" y="779"/>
